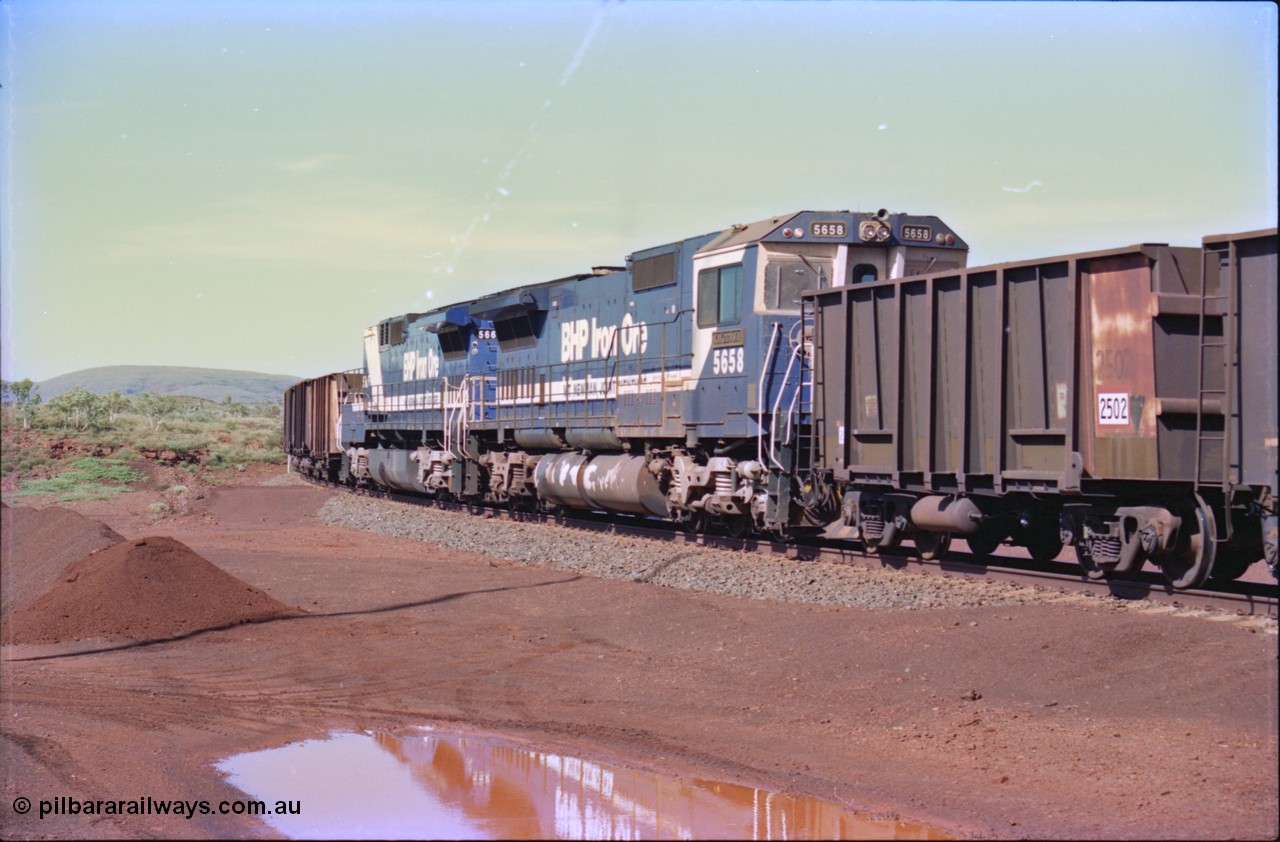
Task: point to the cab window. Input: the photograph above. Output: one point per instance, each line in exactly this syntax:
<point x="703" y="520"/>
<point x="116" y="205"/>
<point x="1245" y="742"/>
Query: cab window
<point x="865" y="273"/>
<point x="720" y="296"/>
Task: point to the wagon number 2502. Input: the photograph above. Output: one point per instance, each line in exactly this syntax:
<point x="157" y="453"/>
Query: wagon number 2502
<point x="727" y="361"/>
<point x="1113" y="409"/>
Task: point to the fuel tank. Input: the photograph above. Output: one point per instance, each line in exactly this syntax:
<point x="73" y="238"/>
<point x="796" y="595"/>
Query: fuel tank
<point x="394" y="469"/>
<point x="614" y="482"/>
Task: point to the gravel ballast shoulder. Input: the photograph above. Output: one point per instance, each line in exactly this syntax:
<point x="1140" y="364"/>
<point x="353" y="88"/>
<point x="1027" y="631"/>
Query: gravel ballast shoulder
<point x="753" y="575"/>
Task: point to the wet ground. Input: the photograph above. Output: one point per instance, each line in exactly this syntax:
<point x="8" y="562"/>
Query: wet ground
<point x="432" y="784"/>
<point x="1040" y="720"/>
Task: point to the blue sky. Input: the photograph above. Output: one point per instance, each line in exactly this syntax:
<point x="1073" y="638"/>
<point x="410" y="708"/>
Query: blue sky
<point x="249" y="185"/>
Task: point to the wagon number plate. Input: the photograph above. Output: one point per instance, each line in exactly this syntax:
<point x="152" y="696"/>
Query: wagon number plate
<point x="917" y="233"/>
<point x="1113" y="409"/>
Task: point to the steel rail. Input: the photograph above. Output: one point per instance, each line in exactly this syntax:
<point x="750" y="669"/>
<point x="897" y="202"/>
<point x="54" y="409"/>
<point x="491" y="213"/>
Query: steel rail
<point x="1257" y="599"/>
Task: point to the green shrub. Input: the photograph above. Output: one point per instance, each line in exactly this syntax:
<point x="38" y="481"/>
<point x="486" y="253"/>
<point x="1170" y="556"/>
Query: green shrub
<point x="93" y="469"/>
<point x="91" y="478"/>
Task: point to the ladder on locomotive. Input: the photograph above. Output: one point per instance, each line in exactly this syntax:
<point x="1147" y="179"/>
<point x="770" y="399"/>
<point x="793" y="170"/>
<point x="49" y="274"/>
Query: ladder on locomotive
<point x="804" y="409"/>
<point x="1225" y="295"/>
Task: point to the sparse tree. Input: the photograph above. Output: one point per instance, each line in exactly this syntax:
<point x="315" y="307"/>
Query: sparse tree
<point x="25" y="396"/>
<point x="264" y="409"/>
<point x="81" y="408"/>
<point x="115" y="403"/>
<point x="155" y="408"/>
<point x="232" y="408"/>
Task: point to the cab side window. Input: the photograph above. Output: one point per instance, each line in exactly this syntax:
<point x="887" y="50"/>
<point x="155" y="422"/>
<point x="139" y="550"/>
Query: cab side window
<point x="865" y="273"/>
<point x="720" y="296"/>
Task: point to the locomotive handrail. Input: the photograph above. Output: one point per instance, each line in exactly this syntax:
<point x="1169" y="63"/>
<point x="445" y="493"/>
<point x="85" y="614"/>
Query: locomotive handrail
<point x="761" y="398"/>
<point x="782" y="387"/>
<point x="795" y="396"/>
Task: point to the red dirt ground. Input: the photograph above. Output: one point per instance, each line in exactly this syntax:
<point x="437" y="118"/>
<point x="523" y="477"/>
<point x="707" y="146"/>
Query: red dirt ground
<point x="1067" y="720"/>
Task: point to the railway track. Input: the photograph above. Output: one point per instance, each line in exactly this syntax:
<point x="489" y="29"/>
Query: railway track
<point x="1243" y="598"/>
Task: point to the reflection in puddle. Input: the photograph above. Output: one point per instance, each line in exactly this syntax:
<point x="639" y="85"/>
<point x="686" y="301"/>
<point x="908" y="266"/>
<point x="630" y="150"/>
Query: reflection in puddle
<point x="429" y="784"/>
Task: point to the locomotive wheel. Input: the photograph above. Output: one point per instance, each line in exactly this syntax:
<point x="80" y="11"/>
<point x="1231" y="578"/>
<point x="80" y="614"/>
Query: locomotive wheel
<point x="737" y="526"/>
<point x="1191" y="567"/>
<point x="695" y="523"/>
<point x="932" y="545"/>
<point x="983" y="542"/>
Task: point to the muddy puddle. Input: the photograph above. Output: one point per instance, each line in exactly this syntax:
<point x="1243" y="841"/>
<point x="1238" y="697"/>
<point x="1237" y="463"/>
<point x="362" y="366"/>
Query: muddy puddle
<point x="430" y="784"/>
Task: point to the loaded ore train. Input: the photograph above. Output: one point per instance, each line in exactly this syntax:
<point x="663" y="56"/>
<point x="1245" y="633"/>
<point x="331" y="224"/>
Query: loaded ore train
<point x="821" y="368"/>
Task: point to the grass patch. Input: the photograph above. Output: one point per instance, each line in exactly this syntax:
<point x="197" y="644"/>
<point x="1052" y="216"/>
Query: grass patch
<point x="90" y="478"/>
<point x="207" y="444"/>
<point x="21" y="459"/>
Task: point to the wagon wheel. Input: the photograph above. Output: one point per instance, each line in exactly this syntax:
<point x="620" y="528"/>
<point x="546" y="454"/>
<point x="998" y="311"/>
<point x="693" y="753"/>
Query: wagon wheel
<point x="1229" y="566"/>
<point x="1044" y="544"/>
<point x="1091" y="568"/>
<point x="1232" y="562"/>
<point x="1234" y="558"/>
<point x="932" y="545"/>
<point x="876" y="547"/>
<point x="1191" y="567"/>
<point x="983" y="542"/>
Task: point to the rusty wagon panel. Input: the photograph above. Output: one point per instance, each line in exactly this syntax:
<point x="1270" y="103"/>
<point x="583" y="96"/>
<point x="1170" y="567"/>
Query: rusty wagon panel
<point x="1035" y="376"/>
<point x="311" y="412"/>
<point x="1241" y="269"/>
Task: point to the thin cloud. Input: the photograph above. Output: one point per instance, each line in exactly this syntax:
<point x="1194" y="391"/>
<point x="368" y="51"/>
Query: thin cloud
<point x="311" y="163"/>
<point x="584" y="46"/>
<point x="1026" y="189"/>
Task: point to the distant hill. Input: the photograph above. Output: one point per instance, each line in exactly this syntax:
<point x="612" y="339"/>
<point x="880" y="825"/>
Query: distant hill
<point x="211" y="383"/>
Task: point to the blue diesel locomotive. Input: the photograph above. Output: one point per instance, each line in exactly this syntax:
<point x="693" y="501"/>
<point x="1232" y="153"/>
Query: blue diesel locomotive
<point x="672" y="387"/>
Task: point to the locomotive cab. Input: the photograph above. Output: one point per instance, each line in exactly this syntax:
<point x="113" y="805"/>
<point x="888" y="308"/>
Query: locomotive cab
<point x="749" y="400"/>
<point x="748" y="284"/>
